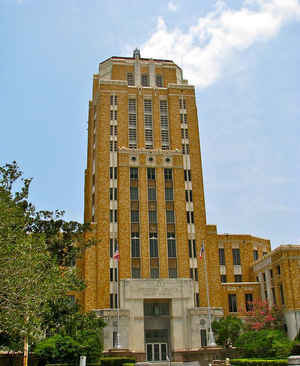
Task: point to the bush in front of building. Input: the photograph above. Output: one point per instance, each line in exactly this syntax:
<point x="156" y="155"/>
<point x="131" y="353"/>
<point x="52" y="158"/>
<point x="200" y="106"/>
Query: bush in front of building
<point x="117" y="361"/>
<point x="266" y="343"/>
<point x="227" y="330"/>
<point x="257" y="362"/>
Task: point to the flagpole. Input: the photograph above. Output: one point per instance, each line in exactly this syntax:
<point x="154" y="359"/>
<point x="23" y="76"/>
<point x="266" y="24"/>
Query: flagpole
<point x="118" y="308"/>
<point x="211" y="338"/>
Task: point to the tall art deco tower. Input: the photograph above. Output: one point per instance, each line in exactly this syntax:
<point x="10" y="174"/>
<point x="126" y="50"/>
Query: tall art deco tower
<point x="144" y="197"/>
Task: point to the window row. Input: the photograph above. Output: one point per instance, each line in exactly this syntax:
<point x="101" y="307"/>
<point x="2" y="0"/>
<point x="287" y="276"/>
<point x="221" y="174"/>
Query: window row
<point x="236" y="256"/>
<point x="233" y="306"/>
<point x="153" y="245"/>
<point x="145" y="80"/>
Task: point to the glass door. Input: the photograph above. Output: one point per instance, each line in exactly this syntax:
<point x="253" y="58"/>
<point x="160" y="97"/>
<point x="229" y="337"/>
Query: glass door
<point x="156" y="351"/>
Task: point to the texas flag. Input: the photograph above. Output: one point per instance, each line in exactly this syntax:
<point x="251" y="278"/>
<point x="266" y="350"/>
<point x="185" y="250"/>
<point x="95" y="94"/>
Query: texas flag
<point x="117" y="255"/>
<point x="201" y="252"/>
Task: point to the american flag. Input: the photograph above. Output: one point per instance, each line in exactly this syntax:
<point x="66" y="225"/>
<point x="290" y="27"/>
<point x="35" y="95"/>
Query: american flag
<point x="201" y="252"/>
<point x="116" y="255"/>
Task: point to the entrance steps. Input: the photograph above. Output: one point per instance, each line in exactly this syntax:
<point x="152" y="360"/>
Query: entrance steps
<point x="167" y="363"/>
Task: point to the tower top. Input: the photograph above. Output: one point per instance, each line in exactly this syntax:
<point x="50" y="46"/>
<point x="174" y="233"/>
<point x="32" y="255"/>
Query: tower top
<point x="137" y="53"/>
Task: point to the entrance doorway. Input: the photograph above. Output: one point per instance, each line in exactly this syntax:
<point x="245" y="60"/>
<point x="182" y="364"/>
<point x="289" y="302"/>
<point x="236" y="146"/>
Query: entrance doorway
<point x="156" y="351"/>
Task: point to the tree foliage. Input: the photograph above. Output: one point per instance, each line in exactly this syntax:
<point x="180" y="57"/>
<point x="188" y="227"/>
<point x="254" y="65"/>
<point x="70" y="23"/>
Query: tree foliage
<point x="35" y="250"/>
<point x="264" y="316"/>
<point x="70" y="333"/>
<point x="264" y="343"/>
<point x="227" y="330"/>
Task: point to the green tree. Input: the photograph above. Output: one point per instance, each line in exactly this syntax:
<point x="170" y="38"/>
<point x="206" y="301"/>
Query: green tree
<point x="35" y="248"/>
<point x="264" y="343"/>
<point x="227" y="330"/>
<point x="69" y="329"/>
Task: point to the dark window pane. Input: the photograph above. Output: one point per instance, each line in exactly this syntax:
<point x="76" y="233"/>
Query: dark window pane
<point x="232" y="303"/>
<point x="222" y="256"/>
<point x="236" y="256"/>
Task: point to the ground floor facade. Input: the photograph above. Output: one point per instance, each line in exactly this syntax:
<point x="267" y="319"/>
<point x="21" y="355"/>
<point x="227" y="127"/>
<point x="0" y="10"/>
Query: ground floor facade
<point x="157" y="319"/>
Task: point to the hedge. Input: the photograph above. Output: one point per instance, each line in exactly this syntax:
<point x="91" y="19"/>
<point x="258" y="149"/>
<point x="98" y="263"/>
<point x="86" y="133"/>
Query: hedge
<point x="116" y="361"/>
<point x="257" y="362"/>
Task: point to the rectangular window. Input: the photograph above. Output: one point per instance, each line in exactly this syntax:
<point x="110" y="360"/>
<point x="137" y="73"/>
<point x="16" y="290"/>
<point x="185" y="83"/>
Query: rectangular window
<point x="271" y="273"/>
<point x="255" y="254"/>
<point x="134" y="216"/>
<point x="232" y="303"/>
<point x="134" y="194"/>
<point x="203" y="337"/>
<point x="164" y="124"/>
<point x="190" y="249"/>
<point x="154" y="272"/>
<point x="236" y="256"/>
<point x="274" y="295"/>
<point x="135" y="245"/>
<point x="221" y="256"/>
<point x="278" y="269"/>
<point x="249" y="302"/>
<point x="196" y="274"/>
<point x="111" y="301"/>
<point x="172" y="272"/>
<point x="151" y="173"/>
<point x="159" y="81"/>
<point x="170" y="217"/>
<point x="182" y="103"/>
<point x="113" y="100"/>
<point x="153" y="245"/>
<point x="134" y="173"/>
<point x="145" y="80"/>
<point x="136" y="272"/>
<point x="132" y="123"/>
<point x="187" y="175"/>
<point x="281" y="294"/>
<point x="168" y="174"/>
<point x="130" y="78"/>
<point x="237" y="278"/>
<point x="190" y="217"/>
<point x="223" y="279"/>
<point x="112" y="248"/>
<point x="152" y="217"/>
<point x="148" y="123"/>
<point x="171" y="245"/>
<point x="169" y="194"/>
<point x="197" y="300"/>
<point x="151" y="194"/>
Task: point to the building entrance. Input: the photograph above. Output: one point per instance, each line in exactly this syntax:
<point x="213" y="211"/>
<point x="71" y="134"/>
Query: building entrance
<point x="157" y="329"/>
<point x="156" y="351"/>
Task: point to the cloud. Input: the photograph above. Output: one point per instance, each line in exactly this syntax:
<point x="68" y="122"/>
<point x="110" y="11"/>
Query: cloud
<point x="207" y="46"/>
<point x="20" y="2"/>
<point x="172" y="6"/>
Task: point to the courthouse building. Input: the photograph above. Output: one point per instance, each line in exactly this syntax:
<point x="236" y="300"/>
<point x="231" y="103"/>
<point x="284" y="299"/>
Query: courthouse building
<point x="144" y="196"/>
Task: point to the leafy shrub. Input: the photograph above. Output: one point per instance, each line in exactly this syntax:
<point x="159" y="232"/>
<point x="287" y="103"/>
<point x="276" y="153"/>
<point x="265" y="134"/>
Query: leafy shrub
<point x="59" y="349"/>
<point x="264" y="344"/>
<point x="227" y="330"/>
<point x="257" y="362"/>
<point x="116" y="361"/>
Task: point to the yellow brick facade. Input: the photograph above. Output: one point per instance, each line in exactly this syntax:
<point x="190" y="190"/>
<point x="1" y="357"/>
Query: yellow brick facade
<point x="110" y="161"/>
